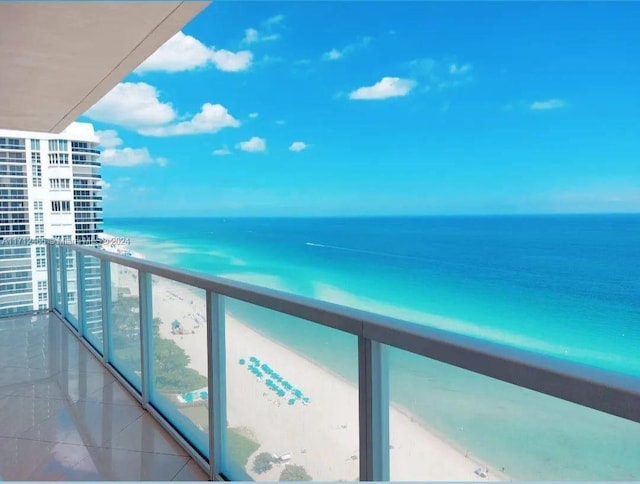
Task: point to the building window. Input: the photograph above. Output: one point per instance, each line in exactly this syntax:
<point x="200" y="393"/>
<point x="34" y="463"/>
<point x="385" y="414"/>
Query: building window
<point x="38" y="217"/>
<point x="59" y="183"/>
<point x="37" y="205"/>
<point x="12" y="143"/>
<point x="36" y="169"/>
<point x="58" y="159"/>
<point x="35" y="145"/>
<point x="39" y="229"/>
<point x="60" y="206"/>
<point x="58" y="145"/>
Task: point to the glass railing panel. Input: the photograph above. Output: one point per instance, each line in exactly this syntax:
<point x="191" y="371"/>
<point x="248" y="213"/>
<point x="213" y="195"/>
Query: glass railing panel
<point x="449" y="424"/>
<point x="125" y="323"/>
<point x="57" y="284"/>
<point x="92" y="299"/>
<point x="16" y="271"/>
<point x="69" y="266"/>
<point x="291" y="398"/>
<point x="179" y="388"/>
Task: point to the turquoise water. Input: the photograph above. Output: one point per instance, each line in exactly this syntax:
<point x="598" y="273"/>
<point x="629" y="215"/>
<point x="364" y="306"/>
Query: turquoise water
<point x="565" y="286"/>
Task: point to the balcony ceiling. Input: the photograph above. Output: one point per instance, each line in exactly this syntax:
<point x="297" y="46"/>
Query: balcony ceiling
<point x="58" y="59"/>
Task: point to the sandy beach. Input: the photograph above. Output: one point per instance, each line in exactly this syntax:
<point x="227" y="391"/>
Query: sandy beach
<point x="321" y="436"/>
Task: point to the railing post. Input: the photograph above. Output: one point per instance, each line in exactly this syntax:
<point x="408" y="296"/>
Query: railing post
<point x="146" y="335"/>
<point x="80" y="294"/>
<point x="105" y="296"/>
<point x="217" y="402"/>
<point x="63" y="282"/>
<point x="373" y="395"/>
<point x="51" y="278"/>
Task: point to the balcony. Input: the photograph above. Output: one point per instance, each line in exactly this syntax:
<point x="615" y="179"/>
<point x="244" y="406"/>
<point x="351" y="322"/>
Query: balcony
<point x="87" y="175"/>
<point x="65" y="417"/>
<point x="220" y="367"/>
<point x="88" y="163"/>
<point x="75" y="149"/>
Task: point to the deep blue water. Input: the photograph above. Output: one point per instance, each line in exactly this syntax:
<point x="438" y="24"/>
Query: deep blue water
<point x="566" y="286"/>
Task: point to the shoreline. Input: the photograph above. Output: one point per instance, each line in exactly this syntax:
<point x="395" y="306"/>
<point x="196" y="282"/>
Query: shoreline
<point x="408" y="429"/>
<point x="394" y="405"/>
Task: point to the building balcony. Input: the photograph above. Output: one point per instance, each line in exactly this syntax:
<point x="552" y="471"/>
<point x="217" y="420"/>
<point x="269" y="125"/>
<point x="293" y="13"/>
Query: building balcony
<point x="85" y="150"/>
<point x="87" y="175"/>
<point x="86" y="162"/>
<point x="222" y="368"/>
<point x="64" y="416"/>
<point x="88" y="209"/>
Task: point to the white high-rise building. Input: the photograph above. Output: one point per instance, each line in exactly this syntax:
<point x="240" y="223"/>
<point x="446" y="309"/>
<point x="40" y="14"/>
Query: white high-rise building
<point x="50" y="188"/>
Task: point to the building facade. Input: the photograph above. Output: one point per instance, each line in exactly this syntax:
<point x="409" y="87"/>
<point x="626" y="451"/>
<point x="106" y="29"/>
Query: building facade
<point x="50" y="188"/>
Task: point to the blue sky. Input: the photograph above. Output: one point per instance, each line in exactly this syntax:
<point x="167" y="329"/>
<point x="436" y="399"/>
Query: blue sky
<point x="383" y="108"/>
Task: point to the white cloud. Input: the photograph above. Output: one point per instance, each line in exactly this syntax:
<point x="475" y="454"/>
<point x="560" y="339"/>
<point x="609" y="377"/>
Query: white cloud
<point x="104" y="184"/>
<point x="298" y="146"/>
<point x="276" y="19"/>
<point x="228" y="61"/>
<point x="129" y="157"/>
<point x="136" y="106"/>
<point x="222" y="151"/>
<point x="336" y="54"/>
<point x="385" y="88"/>
<point x="109" y="138"/>
<point x="459" y="69"/>
<point x="253" y="115"/>
<point x="333" y="54"/>
<point x="211" y="119"/>
<point x="441" y="74"/>
<point x="184" y="52"/>
<point x="112" y="156"/>
<point x="252" y="36"/>
<point x="133" y="105"/>
<point x="253" y="145"/>
<point x="281" y="122"/>
<point x="548" y="104"/>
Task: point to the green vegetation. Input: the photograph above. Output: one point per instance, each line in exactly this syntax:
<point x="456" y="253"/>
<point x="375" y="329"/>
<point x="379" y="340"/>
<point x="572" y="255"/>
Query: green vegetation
<point x="262" y="463"/>
<point x="171" y="370"/>
<point x="294" y="473"/>
<point x="240" y="446"/>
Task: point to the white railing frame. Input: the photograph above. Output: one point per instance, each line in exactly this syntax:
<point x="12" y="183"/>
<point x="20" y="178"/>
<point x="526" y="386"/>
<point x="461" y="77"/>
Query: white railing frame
<point x="602" y="390"/>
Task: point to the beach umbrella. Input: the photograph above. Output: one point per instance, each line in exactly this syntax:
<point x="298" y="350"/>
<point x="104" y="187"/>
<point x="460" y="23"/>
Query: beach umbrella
<point x="269" y="382"/>
<point x="281" y="393"/>
<point x="242" y="362"/>
<point x="297" y="393"/>
<point x="188" y="398"/>
<point x="292" y="401"/>
<point x="287" y="385"/>
<point x="204" y="395"/>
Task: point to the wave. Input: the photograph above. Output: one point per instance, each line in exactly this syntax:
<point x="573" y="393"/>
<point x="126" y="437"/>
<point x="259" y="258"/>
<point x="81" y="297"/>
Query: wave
<point x="363" y="251"/>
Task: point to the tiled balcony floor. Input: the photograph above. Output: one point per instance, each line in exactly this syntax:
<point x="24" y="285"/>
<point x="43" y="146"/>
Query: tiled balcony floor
<point x="64" y="417"/>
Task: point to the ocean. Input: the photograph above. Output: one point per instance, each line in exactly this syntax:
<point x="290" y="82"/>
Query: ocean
<point x="567" y="286"/>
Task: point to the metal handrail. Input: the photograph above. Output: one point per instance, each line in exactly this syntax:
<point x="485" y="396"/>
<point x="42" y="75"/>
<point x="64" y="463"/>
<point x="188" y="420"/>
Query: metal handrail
<point x="600" y="389"/>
